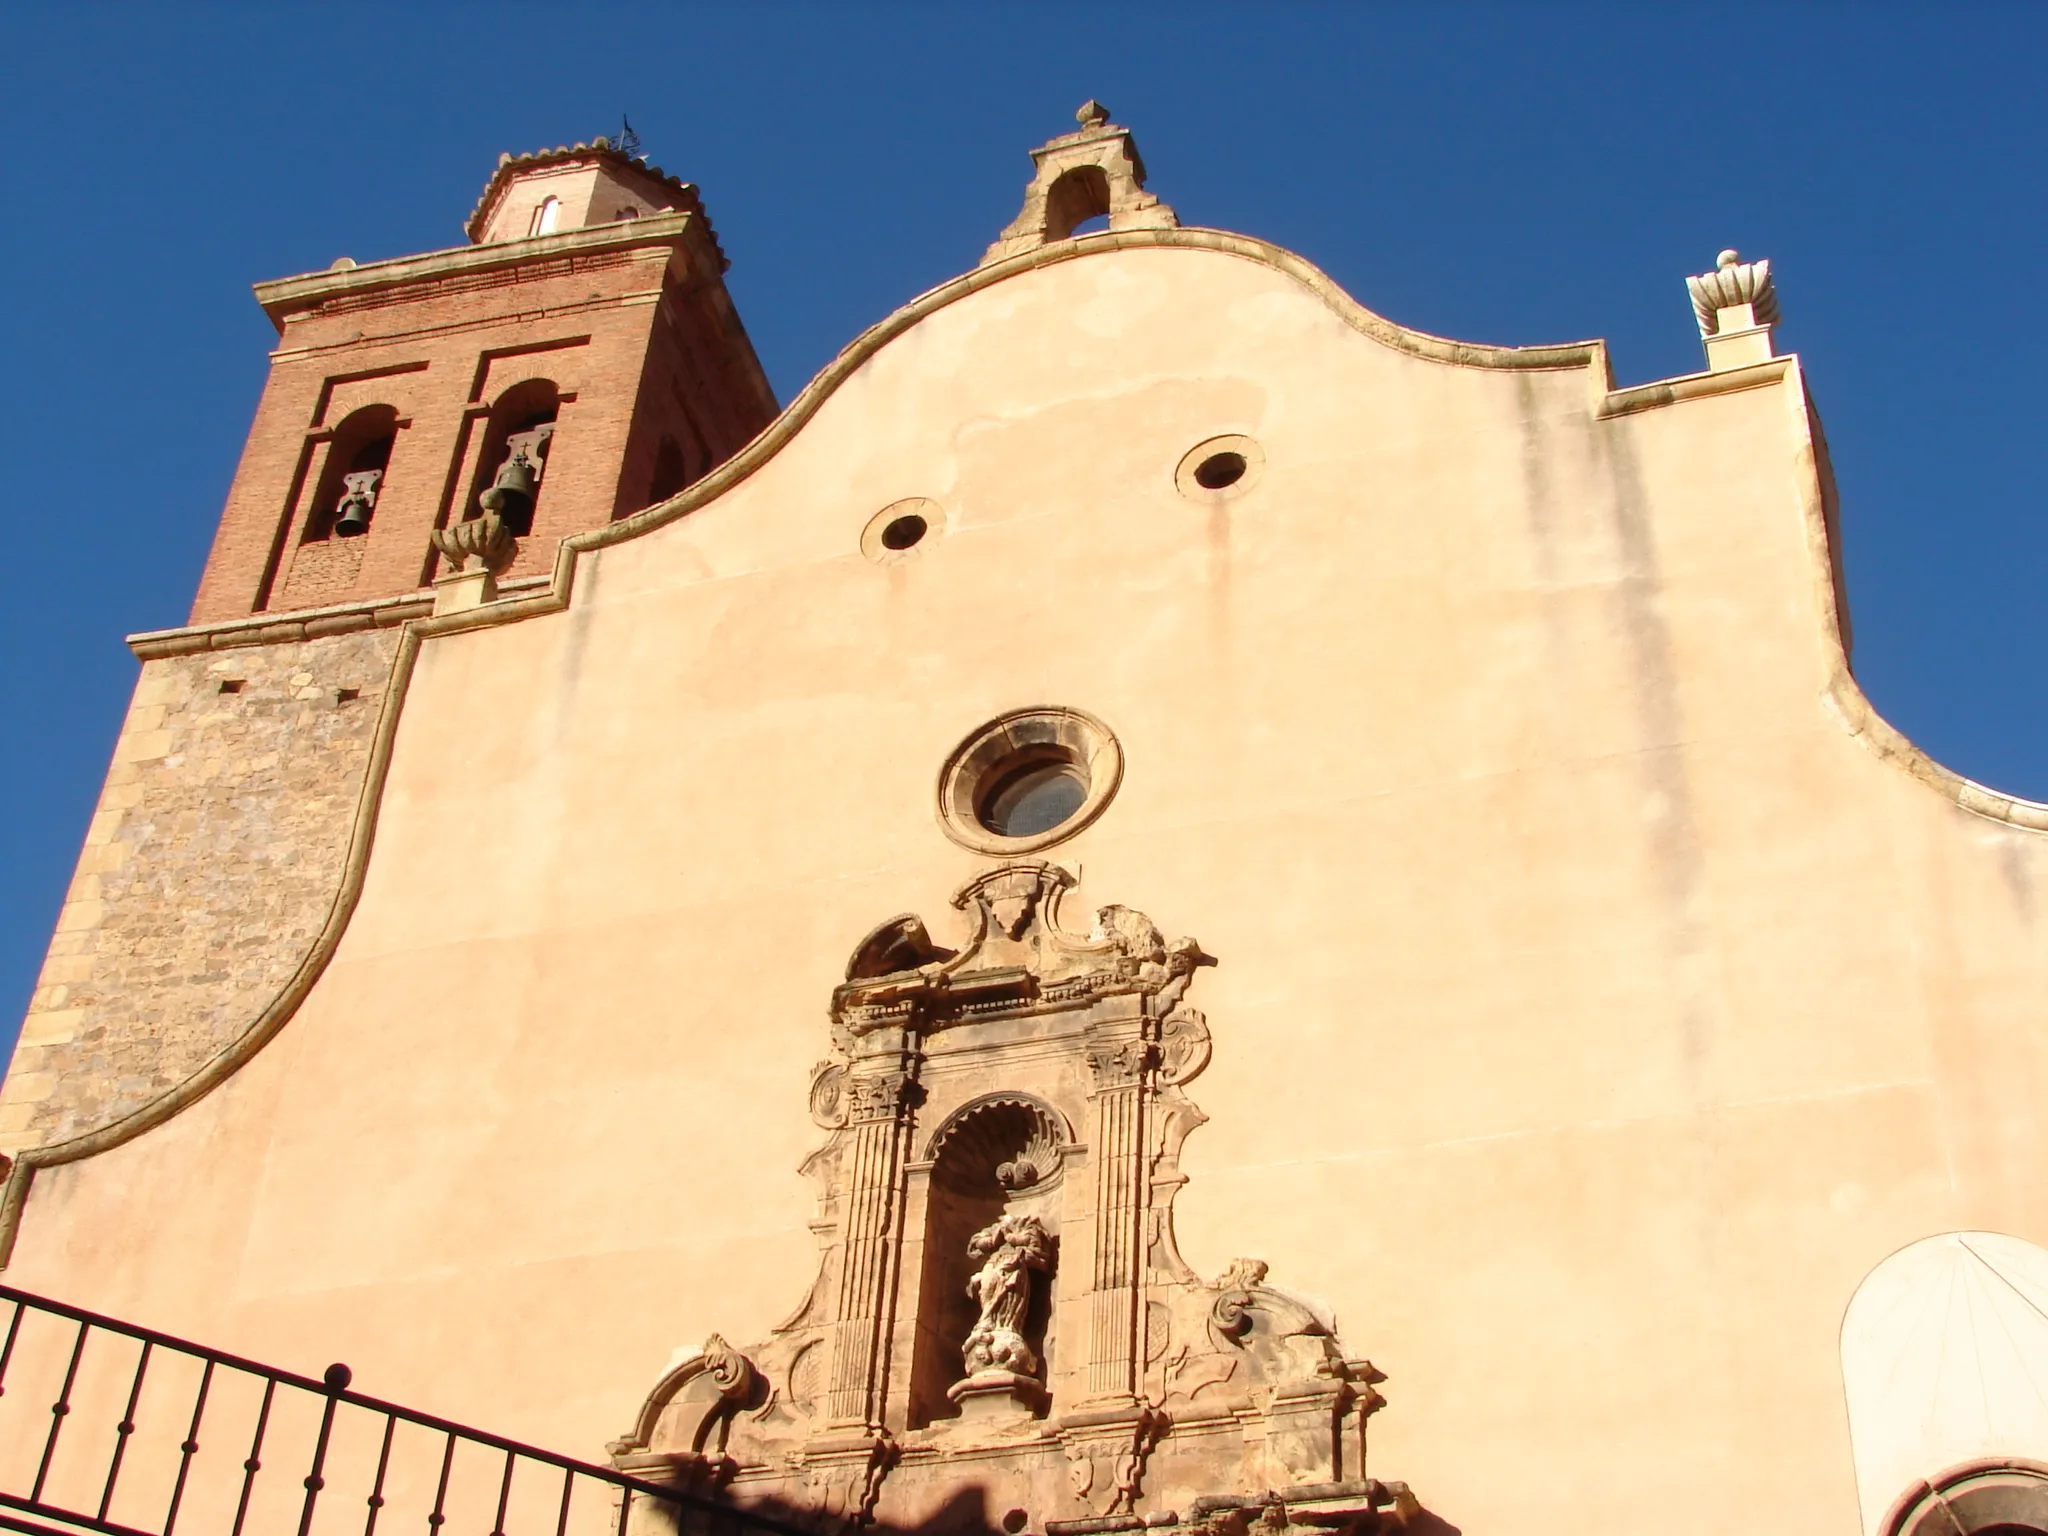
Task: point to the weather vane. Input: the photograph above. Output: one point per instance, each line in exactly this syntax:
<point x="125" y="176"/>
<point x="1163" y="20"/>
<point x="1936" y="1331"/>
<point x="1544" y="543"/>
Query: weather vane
<point x="628" y="142"/>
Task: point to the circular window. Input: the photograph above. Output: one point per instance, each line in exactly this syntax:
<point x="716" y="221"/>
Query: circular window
<point x="897" y="530"/>
<point x="1218" y="469"/>
<point x="1027" y="780"/>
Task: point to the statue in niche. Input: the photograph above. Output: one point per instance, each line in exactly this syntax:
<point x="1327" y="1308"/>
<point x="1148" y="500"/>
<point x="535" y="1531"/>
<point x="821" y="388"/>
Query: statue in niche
<point x="1010" y="1250"/>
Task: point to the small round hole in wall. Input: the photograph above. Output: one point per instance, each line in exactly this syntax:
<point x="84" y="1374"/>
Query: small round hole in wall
<point x="1219" y="469"/>
<point x="1028" y="779"/>
<point x="896" y="532"/>
<point x="904" y="531"/>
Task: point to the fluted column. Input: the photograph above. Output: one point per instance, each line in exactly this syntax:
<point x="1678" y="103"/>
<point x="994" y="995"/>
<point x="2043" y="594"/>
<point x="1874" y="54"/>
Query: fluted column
<point x="880" y="1103"/>
<point x="1121" y="1069"/>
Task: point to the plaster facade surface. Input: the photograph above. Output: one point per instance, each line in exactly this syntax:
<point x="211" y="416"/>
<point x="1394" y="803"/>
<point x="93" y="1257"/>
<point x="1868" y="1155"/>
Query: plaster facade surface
<point x="1593" y="1008"/>
<point x="211" y="864"/>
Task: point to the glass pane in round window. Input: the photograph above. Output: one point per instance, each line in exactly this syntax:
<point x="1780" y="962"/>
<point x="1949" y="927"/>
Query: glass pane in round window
<point x="1034" y="799"/>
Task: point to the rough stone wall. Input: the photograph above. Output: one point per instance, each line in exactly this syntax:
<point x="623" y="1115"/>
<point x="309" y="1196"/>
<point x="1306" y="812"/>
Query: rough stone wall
<point x="208" y="871"/>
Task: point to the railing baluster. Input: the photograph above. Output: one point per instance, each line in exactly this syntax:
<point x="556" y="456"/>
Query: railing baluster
<point x="377" y="1488"/>
<point x="254" y="1462"/>
<point x="336" y="1381"/>
<point x="504" y="1494"/>
<point x="124" y="1429"/>
<point x="696" y="1515"/>
<point x="7" y="1353"/>
<point x="188" y="1448"/>
<point x="59" y="1411"/>
<point x="437" y="1519"/>
<point x="568" y="1487"/>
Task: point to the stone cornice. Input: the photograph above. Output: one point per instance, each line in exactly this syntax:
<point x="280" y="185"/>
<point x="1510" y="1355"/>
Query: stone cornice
<point x="284" y="297"/>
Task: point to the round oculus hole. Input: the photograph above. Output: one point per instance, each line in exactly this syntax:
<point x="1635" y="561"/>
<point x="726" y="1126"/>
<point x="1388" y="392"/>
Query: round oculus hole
<point x="1034" y="797"/>
<point x="1219" y="470"/>
<point x="904" y="531"/>
<point x="901" y="529"/>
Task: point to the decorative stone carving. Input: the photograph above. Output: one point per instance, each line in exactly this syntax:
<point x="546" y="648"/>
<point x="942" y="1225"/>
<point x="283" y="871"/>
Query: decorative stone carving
<point x="476" y="550"/>
<point x="1095" y="170"/>
<point x="1013" y="1141"/>
<point x="1732" y="284"/>
<point x="828" y="1096"/>
<point x="1184" y="1046"/>
<point x="1736" y="306"/>
<point x="1003" y="1125"/>
<point x="1011" y="1250"/>
<point x="478" y="543"/>
<point x="1229" y="1313"/>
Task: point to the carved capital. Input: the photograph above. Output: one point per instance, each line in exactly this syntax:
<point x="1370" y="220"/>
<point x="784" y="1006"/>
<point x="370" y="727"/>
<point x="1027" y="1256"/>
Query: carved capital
<point x="1120" y="1063"/>
<point x="883" y="1096"/>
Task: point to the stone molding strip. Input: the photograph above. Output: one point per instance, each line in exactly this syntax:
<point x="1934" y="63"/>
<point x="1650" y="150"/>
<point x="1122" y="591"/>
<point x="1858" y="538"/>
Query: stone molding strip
<point x="1841" y="693"/>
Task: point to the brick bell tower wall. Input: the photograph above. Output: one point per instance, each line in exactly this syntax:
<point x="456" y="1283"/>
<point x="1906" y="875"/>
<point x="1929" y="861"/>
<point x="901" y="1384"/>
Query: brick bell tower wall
<point x="624" y="330"/>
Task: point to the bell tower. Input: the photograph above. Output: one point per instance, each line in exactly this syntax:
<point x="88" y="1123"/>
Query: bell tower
<point x="577" y="360"/>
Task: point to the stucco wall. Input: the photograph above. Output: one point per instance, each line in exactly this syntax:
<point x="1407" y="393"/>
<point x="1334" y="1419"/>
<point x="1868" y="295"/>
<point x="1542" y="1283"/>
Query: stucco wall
<point x="1593" y="1011"/>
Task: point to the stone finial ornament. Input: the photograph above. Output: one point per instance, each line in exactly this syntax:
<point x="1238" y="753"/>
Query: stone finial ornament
<point x="1093" y="171"/>
<point x="479" y="543"/>
<point x="1732" y="284"/>
<point x="1736" y="305"/>
<point x="476" y="550"/>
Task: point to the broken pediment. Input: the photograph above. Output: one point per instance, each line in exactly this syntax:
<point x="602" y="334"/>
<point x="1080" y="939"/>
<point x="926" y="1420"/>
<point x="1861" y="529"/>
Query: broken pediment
<point x="1000" y="1305"/>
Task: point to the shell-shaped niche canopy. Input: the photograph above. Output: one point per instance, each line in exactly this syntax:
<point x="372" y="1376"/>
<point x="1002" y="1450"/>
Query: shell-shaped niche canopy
<point x="1010" y="1142"/>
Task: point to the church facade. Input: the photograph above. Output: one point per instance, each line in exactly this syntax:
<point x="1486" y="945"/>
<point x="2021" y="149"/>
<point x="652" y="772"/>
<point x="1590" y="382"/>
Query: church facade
<point x="1160" y="903"/>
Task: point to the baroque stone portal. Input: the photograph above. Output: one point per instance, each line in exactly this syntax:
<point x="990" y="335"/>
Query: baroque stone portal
<point x="995" y="1199"/>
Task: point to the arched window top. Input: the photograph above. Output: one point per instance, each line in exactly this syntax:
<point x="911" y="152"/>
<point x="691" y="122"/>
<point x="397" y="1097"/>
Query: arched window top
<point x="1079" y="195"/>
<point x="547" y="217"/>
<point x="358" y="457"/>
<point x="518" y="438"/>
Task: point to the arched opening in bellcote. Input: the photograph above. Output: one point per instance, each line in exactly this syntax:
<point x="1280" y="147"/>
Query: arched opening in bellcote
<point x="1080" y="195"/>
<point x="352" y="478"/>
<point x="518" y="439"/>
<point x="997" y="1157"/>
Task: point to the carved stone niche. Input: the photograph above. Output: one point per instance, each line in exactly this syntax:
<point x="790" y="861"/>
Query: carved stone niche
<point x="1001" y="1320"/>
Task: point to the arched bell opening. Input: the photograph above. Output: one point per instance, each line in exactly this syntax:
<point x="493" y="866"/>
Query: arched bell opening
<point x="518" y="436"/>
<point x="998" y="1157"/>
<point x="1079" y="195"/>
<point x="352" y="479"/>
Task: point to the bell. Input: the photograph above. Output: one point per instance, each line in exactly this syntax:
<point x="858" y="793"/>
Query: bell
<point x="358" y="500"/>
<point x="511" y="493"/>
<point x="355" y="517"/>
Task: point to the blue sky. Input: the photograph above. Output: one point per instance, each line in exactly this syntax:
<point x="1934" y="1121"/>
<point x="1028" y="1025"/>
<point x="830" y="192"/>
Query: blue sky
<point x="1509" y="174"/>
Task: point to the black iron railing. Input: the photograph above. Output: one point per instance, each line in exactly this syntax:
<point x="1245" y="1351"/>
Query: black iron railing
<point x="110" y="1428"/>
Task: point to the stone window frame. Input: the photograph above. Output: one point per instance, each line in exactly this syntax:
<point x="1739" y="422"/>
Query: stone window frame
<point x="991" y="753"/>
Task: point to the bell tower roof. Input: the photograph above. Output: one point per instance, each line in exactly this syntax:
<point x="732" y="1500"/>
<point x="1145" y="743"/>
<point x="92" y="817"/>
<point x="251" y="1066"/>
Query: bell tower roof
<point x="576" y="186"/>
